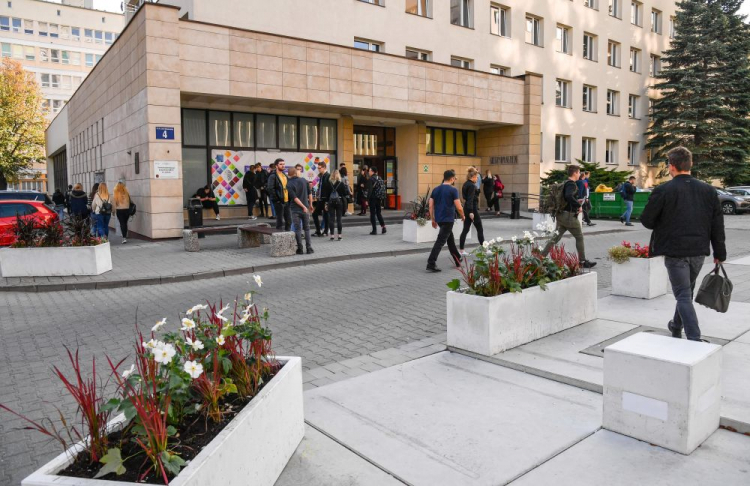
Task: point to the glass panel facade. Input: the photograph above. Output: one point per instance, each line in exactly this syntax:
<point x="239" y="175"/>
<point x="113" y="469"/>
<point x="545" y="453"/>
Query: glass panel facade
<point x="308" y="133"/>
<point x="288" y="132"/>
<point x="327" y="134"/>
<point x="243" y="130"/>
<point x="194" y="171"/>
<point x="194" y="127"/>
<point x="219" y="128"/>
<point x="265" y="131"/>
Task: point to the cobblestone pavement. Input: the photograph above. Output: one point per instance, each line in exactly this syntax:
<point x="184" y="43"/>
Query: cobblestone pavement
<point x="344" y="318"/>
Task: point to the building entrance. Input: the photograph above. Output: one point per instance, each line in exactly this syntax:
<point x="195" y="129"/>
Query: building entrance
<point x="376" y="147"/>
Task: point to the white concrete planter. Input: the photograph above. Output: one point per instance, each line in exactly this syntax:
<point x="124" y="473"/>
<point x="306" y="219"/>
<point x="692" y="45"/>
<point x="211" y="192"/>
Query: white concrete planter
<point x="413" y="233"/>
<point x="538" y="218"/>
<point x="55" y="262"/>
<point x="490" y="325"/>
<point x="642" y="278"/>
<point x="252" y="450"/>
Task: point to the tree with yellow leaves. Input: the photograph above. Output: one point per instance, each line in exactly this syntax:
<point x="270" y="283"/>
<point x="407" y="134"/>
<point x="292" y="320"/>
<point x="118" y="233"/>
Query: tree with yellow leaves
<point x="22" y="121"/>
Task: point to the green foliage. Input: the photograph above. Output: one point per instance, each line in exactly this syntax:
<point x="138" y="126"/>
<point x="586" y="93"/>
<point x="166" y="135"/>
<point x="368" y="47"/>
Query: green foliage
<point x="420" y="211"/>
<point x="705" y="91"/>
<point x="113" y="463"/>
<point x="599" y="175"/>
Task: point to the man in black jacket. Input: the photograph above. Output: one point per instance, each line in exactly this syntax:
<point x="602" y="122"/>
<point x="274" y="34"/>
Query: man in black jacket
<point x="324" y="191"/>
<point x="628" y="195"/>
<point x="686" y="219"/>
<point x="248" y="185"/>
<point x="261" y="179"/>
<point x="567" y="219"/>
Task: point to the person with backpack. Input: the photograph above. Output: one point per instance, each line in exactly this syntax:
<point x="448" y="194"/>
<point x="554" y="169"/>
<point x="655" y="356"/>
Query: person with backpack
<point x="324" y="190"/>
<point x="565" y="207"/>
<point x="375" y="197"/>
<point x="301" y="204"/>
<point x="101" y="206"/>
<point x="470" y="193"/>
<point x="337" y="200"/>
<point x="444" y="203"/>
<point x="279" y="194"/>
<point x="362" y="190"/>
<point x="248" y="186"/>
<point x="123" y="208"/>
<point x="627" y="191"/>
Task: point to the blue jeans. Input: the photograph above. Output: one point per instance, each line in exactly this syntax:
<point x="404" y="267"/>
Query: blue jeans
<point x="101" y="223"/>
<point x="60" y="212"/>
<point x="628" y="211"/>
<point x="683" y="272"/>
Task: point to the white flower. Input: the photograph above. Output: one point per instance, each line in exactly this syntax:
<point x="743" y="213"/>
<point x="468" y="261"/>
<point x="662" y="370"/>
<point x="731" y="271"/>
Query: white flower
<point x="159" y="324"/>
<point x="151" y="344"/>
<point x="486" y="244"/>
<point x="499" y="239"/>
<point x="193" y="369"/>
<point x="513" y="239"/>
<point x="249" y="296"/>
<point x="164" y="353"/>
<point x="220" y="340"/>
<point x="528" y="236"/>
<point x="128" y="372"/>
<point x="258" y="280"/>
<point x="196" y="308"/>
<point x="187" y="324"/>
<point x="196" y="345"/>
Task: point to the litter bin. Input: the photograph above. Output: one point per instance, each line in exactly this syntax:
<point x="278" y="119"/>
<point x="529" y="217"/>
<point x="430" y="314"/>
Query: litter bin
<point x="391" y="201"/>
<point x="398" y="202"/>
<point x="195" y="213"/>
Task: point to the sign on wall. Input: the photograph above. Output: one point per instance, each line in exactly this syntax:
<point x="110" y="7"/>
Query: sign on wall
<point x="166" y="169"/>
<point x="609" y="196"/>
<point x="165" y="133"/>
<point x="504" y="160"/>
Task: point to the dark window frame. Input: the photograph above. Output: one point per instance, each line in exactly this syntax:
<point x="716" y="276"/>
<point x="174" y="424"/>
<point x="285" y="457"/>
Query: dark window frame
<point x="456" y="131"/>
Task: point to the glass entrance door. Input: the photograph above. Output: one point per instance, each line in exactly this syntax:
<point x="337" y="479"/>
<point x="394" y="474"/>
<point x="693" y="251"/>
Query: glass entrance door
<point x="376" y="147"/>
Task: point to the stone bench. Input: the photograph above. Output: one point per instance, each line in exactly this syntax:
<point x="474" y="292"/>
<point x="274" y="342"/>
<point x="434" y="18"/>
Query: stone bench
<point x="283" y="243"/>
<point x="662" y="390"/>
<point x="190" y="236"/>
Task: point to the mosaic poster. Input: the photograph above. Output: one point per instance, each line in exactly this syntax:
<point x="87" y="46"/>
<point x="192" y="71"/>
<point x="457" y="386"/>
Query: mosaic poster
<point x="227" y="170"/>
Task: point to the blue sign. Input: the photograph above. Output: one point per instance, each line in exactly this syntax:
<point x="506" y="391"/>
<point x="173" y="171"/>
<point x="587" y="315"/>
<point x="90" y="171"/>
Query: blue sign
<point x="165" y="133"/>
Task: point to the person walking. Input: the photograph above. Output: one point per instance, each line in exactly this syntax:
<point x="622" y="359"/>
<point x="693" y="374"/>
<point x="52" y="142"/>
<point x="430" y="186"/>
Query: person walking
<point x="499" y="187"/>
<point x="345" y="180"/>
<point x="586" y="205"/>
<point x="470" y="193"/>
<point x="208" y="199"/>
<point x="362" y="190"/>
<point x="567" y="218"/>
<point x="583" y="198"/>
<point x="122" y="208"/>
<point x="324" y="190"/>
<point x="301" y="207"/>
<point x="488" y="187"/>
<point x="78" y="202"/>
<point x="628" y="192"/>
<point x="58" y="198"/>
<point x="259" y="181"/>
<point x="375" y="194"/>
<point x="279" y="194"/>
<point x="336" y="201"/>
<point x="67" y="197"/>
<point x="686" y="220"/>
<point x="444" y="203"/>
<point x="248" y="186"/>
<point x="102" y="209"/>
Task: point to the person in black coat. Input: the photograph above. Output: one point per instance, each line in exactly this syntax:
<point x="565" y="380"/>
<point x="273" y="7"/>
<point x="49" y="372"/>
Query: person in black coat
<point x="628" y="195"/>
<point x="324" y="190"/>
<point x="470" y="193"/>
<point x="488" y="187"/>
<point x="78" y="202"/>
<point x="260" y="182"/>
<point x="686" y="219"/>
<point x="248" y="185"/>
<point x="361" y="190"/>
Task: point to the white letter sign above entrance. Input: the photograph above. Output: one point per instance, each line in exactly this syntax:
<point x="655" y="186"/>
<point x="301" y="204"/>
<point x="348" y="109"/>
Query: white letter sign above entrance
<point x="165" y="133"/>
<point x="166" y="169"/>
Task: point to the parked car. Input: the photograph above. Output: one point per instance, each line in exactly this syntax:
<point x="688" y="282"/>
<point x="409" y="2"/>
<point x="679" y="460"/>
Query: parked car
<point x="27" y="209"/>
<point x="732" y="203"/>
<point x="739" y="190"/>
<point x="26" y="195"/>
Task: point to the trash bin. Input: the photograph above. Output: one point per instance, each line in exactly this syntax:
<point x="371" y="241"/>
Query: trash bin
<point x="195" y="213"/>
<point x="398" y="202"/>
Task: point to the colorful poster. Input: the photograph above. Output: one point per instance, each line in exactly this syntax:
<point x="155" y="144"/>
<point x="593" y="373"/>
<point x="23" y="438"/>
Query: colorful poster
<point x="227" y="170"/>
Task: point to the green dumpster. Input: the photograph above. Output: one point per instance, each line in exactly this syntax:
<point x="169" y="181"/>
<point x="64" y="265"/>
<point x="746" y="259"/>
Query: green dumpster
<point x="611" y="204"/>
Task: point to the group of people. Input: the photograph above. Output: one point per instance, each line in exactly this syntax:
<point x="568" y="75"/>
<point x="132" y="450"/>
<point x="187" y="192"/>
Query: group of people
<point x="98" y="205"/>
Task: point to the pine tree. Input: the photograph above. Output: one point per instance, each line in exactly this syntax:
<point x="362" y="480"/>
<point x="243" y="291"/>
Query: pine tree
<point x="705" y="91"/>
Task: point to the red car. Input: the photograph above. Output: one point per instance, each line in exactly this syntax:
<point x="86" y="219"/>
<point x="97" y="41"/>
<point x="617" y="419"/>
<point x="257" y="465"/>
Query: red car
<point x="27" y="209"/>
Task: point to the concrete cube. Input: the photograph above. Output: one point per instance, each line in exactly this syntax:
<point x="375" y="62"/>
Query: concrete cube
<point x="642" y="278"/>
<point x="283" y="244"/>
<point x="191" y="240"/>
<point x="662" y="390"/>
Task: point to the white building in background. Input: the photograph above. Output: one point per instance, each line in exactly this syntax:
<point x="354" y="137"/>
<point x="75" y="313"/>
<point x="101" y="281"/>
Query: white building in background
<point x="60" y="43"/>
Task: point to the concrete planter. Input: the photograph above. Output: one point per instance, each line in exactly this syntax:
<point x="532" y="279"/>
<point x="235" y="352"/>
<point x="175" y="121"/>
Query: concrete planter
<point x="538" y="218"/>
<point x="641" y="278"/>
<point x="413" y="233"/>
<point x="490" y="325"/>
<point x="253" y="448"/>
<point x="55" y="262"/>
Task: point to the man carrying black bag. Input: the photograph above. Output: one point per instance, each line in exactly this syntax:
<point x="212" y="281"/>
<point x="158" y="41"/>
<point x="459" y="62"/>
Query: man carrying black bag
<point x="686" y="219"/>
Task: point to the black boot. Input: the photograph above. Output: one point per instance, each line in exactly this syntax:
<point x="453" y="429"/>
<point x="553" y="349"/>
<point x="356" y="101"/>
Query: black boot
<point x="676" y="333"/>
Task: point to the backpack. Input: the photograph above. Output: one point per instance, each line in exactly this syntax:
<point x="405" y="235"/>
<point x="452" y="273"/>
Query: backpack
<point x="106" y="207"/>
<point x="555" y="200"/>
<point x="335" y="198"/>
<point x="621" y="189"/>
<point x="379" y="189"/>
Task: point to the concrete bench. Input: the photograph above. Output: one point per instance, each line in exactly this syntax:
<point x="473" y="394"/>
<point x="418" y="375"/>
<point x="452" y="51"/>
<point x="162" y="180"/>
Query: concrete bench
<point x="190" y="236"/>
<point x="662" y="390"/>
<point x="283" y="243"/>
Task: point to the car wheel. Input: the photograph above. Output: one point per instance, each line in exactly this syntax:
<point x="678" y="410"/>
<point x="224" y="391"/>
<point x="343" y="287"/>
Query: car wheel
<point x="728" y="208"/>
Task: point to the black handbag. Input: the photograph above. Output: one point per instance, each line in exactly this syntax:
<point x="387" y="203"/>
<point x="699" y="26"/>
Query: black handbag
<point x="132" y="209"/>
<point x="715" y="291"/>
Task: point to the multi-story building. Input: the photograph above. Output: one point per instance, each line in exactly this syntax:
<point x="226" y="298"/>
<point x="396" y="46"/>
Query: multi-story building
<point x="58" y="42"/>
<point x="411" y="87"/>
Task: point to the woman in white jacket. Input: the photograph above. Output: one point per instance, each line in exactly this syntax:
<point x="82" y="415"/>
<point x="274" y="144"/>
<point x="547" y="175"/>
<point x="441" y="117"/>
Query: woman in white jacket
<point x="101" y="206"/>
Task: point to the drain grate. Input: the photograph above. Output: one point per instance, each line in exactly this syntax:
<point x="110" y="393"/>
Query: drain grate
<point x="598" y="349"/>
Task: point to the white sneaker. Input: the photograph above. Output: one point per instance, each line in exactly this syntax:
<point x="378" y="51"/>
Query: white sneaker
<point x="252" y="218"/>
<point x="463" y="253"/>
<point x="218" y="218"/>
<point x="124" y="240"/>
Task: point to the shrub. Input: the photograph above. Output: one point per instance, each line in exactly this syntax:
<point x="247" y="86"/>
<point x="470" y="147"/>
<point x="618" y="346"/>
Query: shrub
<point x="626" y="250"/>
<point x="420" y="209"/>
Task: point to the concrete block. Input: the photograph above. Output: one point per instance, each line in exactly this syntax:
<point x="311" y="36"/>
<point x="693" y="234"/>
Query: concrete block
<point x="283" y="244"/>
<point x="246" y="239"/>
<point x="191" y="240"/>
<point x="414" y="233"/>
<point x="641" y="278"/>
<point x="55" y="262"/>
<point x="662" y="390"/>
<point x="489" y="325"/>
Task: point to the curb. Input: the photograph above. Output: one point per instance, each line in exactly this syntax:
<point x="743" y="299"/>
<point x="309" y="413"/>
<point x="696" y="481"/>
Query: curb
<point x="114" y="284"/>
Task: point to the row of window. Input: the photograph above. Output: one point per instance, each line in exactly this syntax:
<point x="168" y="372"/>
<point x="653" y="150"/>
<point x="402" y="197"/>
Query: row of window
<point x="52" y="105"/>
<point x="62" y="81"/>
<point x="563" y="99"/>
<point x="450" y="141"/>
<point x="249" y="130"/>
<point x="56" y="31"/>
<point x="614" y="51"/>
<point x="588" y="150"/>
<point x="462" y="14"/>
<point x="44" y="54"/>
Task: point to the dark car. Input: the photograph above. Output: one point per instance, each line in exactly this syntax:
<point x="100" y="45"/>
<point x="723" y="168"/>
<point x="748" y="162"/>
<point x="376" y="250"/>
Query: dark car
<point x="26" y="196"/>
<point x="732" y="203"/>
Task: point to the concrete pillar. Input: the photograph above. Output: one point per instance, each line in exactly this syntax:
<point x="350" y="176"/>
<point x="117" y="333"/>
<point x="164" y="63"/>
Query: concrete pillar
<point x="345" y="135"/>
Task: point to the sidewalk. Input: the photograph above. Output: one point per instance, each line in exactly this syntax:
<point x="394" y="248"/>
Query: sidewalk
<point x="160" y="262"/>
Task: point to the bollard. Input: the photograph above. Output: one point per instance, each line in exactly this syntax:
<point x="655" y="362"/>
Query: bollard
<point x="515" y="206"/>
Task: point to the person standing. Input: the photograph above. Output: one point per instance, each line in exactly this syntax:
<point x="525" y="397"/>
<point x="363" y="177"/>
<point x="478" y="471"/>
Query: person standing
<point x="583" y="198"/>
<point x="375" y="194"/>
<point x="260" y="181"/>
<point x="78" y="202"/>
<point x="362" y="190"/>
<point x="336" y="201"/>
<point x="470" y="194"/>
<point x="499" y="187"/>
<point x="444" y="203"/>
<point x="67" y="197"/>
<point x="248" y="185"/>
<point x="488" y="187"/>
<point x="686" y="220"/>
<point x="586" y="205"/>
<point x="122" y="209"/>
<point x="567" y="218"/>
<point x="324" y="190"/>
<point x="279" y="194"/>
<point x="102" y="209"/>
<point x="628" y="194"/>
<point x="58" y="198"/>
<point x="208" y="199"/>
<point x="301" y="206"/>
<point x="345" y="180"/>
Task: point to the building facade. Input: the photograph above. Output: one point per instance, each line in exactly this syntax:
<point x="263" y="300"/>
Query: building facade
<point x="60" y="43"/>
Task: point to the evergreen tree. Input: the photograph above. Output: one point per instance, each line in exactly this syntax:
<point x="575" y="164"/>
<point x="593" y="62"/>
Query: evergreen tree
<point x="705" y="91"/>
